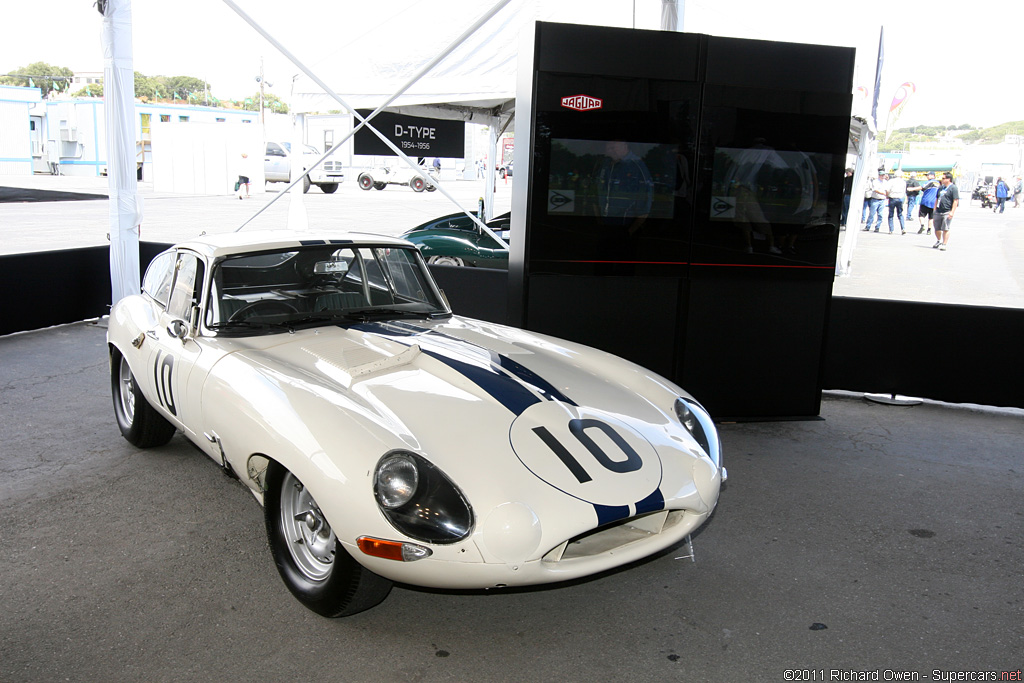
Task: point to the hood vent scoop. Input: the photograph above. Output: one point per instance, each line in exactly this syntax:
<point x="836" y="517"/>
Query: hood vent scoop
<point x="356" y="359"/>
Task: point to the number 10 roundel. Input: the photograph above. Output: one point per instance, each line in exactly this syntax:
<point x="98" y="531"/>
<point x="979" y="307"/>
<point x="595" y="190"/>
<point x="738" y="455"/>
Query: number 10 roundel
<point x="586" y="453"/>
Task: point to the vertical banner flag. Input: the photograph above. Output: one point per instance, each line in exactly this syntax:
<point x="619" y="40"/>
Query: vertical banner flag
<point x="878" y="76"/>
<point x="899" y="101"/>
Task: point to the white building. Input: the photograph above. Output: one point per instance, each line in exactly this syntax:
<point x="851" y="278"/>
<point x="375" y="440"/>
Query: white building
<point x="76" y="132"/>
<point x="21" y="134"/>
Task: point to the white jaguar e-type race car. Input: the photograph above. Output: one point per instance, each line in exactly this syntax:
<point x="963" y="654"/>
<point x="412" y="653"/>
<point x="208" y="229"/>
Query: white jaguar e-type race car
<point x="389" y="440"/>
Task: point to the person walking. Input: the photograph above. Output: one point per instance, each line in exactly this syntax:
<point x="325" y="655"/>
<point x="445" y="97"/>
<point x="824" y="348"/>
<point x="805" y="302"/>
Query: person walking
<point x="929" y="193"/>
<point x="896" y="191"/>
<point x="945" y="207"/>
<point x="1002" y="192"/>
<point x="913" y="196"/>
<point x="847" y="191"/>
<point x="876" y="190"/>
<point x="1018" y="186"/>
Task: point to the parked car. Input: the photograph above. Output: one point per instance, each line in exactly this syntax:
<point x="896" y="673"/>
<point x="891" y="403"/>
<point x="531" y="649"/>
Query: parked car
<point x="456" y="240"/>
<point x="278" y="165"/>
<point x="390" y="440"/>
<point x="400" y="174"/>
<point x="505" y="171"/>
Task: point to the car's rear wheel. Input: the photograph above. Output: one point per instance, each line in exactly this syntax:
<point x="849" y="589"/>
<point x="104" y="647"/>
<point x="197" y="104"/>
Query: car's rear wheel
<point x="328" y="188"/>
<point x="315" y="567"/>
<point x="379" y="186"/>
<point x="365" y="181"/>
<point x="417" y="184"/>
<point x="138" y="421"/>
<point x="446" y="261"/>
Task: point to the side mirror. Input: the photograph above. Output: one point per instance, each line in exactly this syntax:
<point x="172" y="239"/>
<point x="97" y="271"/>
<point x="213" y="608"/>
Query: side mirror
<point x="178" y="329"/>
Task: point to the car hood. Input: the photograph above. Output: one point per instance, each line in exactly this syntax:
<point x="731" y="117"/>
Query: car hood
<point x="513" y="417"/>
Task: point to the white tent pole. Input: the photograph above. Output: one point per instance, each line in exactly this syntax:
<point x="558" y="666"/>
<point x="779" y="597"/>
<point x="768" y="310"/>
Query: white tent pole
<point x="119" y="113"/>
<point x="865" y="157"/>
<point x="365" y="122"/>
<point x="492" y="146"/>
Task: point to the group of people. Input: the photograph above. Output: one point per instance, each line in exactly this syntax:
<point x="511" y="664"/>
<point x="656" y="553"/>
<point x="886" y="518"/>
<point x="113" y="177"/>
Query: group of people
<point x="936" y="203"/>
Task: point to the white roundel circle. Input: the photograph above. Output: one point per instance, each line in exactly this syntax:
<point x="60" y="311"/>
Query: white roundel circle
<point x="586" y="453"/>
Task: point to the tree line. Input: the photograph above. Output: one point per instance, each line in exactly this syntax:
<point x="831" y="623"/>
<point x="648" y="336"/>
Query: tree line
<point x="53" y="80"/>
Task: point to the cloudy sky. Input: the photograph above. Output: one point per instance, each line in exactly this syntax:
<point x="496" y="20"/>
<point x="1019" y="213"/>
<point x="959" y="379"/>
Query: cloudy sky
<point x="962" y="61"/>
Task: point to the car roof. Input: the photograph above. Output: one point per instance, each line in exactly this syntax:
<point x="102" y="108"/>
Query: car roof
<point x="227" y="244"/>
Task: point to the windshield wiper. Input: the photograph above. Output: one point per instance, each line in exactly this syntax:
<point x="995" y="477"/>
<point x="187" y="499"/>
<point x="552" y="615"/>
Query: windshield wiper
<point x="251" y="325"/>
<point x="374" y="312"/>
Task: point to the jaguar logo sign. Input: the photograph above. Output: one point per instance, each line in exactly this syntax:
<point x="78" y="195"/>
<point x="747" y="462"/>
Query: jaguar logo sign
<point x="582" y="102"/>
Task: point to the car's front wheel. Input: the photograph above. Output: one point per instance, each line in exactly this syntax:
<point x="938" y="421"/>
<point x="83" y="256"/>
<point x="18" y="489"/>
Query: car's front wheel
<point x="365" y="182"/>
<point x="317" y="570"/>
<point x="418" y="184"/>
<point x="328" y="188"/>
<point x="138" y="421"/>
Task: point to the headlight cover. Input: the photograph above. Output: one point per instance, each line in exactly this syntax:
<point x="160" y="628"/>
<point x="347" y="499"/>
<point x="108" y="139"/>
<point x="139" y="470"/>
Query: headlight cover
<point x="419" y="500"/>
<point x="699" y="424"/>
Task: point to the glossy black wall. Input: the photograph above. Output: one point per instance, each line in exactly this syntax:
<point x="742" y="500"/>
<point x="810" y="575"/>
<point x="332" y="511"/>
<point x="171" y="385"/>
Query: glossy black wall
<point x="47" y="288"/>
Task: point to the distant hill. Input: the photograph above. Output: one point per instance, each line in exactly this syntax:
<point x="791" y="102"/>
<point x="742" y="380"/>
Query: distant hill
<point x="969" y="134"/>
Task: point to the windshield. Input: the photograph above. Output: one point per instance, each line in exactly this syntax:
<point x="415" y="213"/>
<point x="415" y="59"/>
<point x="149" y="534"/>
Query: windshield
<point x="268" y="292"/>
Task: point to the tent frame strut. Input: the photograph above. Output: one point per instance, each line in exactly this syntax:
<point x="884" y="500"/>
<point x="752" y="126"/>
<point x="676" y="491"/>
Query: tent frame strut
<point x="366" y="121"/>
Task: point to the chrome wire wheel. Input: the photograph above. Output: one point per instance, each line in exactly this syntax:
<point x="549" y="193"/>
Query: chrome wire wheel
<point x="126" y="391"/>
<point x="311" y="541"/>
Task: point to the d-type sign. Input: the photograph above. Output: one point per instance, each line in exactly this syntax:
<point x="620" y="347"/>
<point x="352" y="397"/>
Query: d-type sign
<point x="420" y="132"/>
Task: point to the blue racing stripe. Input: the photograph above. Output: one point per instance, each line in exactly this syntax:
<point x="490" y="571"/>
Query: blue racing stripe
<point x="502" y="388"/>
<point x="610" y="513"/>
<point x="533" y="379"/>
<point x="508" y="391"/>
<point x="652" y="503"/>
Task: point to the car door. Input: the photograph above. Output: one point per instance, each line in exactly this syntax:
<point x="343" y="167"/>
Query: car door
<point x="174" y="349"/>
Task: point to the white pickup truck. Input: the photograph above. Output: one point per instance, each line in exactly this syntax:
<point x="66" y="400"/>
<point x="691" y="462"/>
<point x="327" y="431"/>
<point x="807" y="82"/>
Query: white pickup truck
<point x="277" y="167"/>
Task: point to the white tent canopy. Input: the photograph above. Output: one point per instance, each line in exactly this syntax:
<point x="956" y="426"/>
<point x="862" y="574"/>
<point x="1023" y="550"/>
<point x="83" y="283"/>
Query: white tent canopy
<point x="475" y="83"/>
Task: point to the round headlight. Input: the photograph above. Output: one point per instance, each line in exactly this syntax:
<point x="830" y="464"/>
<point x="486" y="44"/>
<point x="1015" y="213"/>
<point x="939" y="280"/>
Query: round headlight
<point x="397" y="480"/>
<point x="419" y="500"/>
<point x="701" y="427"/>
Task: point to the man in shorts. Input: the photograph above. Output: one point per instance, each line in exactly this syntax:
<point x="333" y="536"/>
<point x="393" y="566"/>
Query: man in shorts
<point x="945" y="207"/>
<point x="929" y="193"/>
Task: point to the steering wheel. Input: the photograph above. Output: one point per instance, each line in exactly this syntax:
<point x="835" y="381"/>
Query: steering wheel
<point x="276" y="304"/>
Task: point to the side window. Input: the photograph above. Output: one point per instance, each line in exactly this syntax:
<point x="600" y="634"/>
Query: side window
<point x="187" y="287"/>
<point x="274" y="150"/>
<point x="157" y="282"/>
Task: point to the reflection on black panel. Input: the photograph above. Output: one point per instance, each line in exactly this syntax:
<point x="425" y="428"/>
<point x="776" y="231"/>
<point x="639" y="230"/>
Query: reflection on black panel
<point x="770" y="169"/>
<point x="617" y="181"/>
<point x="763" y="185"/>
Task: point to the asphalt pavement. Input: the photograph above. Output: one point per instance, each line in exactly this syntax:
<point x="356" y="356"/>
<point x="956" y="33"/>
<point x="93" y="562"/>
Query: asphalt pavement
<point x="878" y="539"/>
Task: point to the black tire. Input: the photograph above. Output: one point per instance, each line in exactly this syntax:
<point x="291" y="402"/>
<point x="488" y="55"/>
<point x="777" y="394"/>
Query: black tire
<point x="328" y="188"/>
<point x="138" y="421"/>
<point x="305" y="184"/>
<point x="379" y="186"/>
<point x="315" y="567"/>
<point x="365" y="182"/>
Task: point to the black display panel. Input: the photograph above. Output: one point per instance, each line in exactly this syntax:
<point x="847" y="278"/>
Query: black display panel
<point x="612" y="168"/>
<point x="617" y="181"/>
<point x="771" y="184"/>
